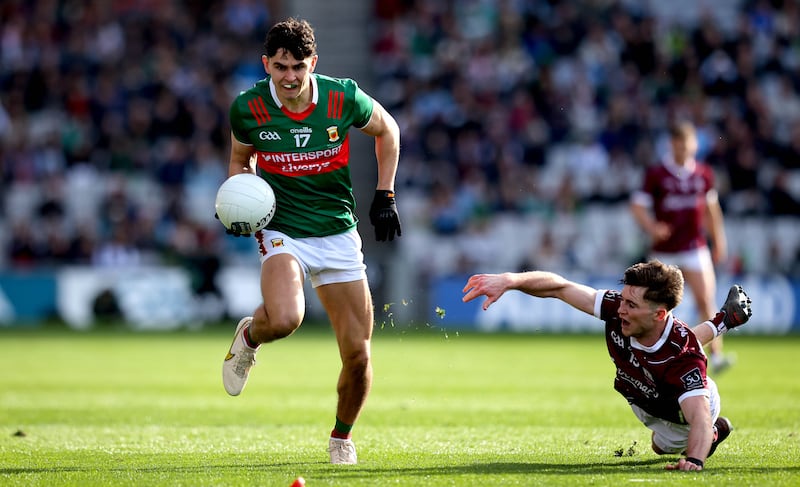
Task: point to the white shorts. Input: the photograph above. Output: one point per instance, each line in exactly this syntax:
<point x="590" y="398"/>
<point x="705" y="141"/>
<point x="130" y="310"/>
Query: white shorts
<point x="698" y="259"/>
<point x="671" y="437"/>
<point x="325" y="260"/>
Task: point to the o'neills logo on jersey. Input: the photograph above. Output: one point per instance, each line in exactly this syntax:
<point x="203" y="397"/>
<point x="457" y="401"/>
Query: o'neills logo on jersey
<point x="333" y="133"/>
<point x="304" y="163"/>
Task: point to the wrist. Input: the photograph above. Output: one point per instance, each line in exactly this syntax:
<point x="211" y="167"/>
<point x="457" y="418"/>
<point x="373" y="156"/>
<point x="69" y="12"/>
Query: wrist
<point x="713" y="327"/>
<point x="695" y="461"/>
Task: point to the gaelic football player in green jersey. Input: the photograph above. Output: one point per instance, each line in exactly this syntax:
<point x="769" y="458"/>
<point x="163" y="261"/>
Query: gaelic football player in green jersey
<point x="291" y="128"/>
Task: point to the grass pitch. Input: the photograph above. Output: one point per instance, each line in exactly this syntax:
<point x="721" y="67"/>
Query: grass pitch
<point x="119" y="408"/>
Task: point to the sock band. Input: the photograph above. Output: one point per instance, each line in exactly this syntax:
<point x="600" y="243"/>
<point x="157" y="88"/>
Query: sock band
<point x="341" y="430"/>
<point x="247" y="339"/>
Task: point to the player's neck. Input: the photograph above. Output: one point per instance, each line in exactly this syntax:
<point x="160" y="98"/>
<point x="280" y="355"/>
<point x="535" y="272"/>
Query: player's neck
<point x="297" y="105"/>
<point x="301" y="103"/>
<point x="652" y="336"/>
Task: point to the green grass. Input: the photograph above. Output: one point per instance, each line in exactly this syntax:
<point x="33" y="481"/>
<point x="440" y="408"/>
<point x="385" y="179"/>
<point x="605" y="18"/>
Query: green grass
<point x="119" y="408"/>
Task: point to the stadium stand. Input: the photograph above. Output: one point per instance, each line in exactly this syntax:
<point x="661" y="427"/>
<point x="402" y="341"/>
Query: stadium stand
<point x="525" y="119"/>
<point x="525" y="125"/>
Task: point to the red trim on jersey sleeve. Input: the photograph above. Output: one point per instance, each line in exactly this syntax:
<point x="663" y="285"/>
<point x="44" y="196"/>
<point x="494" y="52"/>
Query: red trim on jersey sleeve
<point x="335" y="104"/>
<point x="263" y="107"/>
<point x="259" y="110"/>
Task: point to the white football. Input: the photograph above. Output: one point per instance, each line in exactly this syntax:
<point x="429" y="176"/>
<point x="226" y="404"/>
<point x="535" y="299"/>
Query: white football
<point x="245" y="203"/>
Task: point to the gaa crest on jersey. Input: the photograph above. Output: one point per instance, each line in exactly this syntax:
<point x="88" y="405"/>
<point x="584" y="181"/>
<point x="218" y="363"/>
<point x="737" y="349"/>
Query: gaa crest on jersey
<point x="276" y="242"/>
<point x="692" y="379"/>
<point x="333" y="133"/>
<point x="269" y="135"/>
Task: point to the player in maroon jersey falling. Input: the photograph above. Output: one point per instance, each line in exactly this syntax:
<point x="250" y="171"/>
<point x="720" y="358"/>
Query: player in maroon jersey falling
<point x="661" y="365"/>
<point x="678" y="208"/>
<point x="291" y="128"/>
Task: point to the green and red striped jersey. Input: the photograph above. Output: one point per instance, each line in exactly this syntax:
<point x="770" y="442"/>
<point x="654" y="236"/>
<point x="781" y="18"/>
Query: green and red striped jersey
<point x="305" y="157"/>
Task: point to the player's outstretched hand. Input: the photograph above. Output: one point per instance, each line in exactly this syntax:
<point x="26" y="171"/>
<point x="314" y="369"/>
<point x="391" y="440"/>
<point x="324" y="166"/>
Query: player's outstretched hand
<point x="383" y="215"/>
<point x="684" y="464"/>
<point x="737" y="307"/>
<point x="233" y="232"/>
<point x="490" y="285"/>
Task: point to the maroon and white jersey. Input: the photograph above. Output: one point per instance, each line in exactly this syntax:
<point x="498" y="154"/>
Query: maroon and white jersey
<point x="654" y="378"/>
<point x="678" y="196"/>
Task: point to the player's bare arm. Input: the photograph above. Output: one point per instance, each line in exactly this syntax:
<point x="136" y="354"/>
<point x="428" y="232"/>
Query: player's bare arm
<point x="716" y="228"/>
<point x="384" y="128"/>
<point x="657" y="230"/>
<point x="536" y="283"/>
<point x="703" y="333"/>
<point x="240" y="157"/>
<point x="697" y="412"/>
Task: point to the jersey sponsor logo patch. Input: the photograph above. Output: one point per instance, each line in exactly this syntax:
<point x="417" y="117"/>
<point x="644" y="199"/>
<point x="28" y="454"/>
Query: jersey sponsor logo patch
<point x="645" y="389"/>
<point x="333" y="133"/>
<point x="692" y="380"/>
<point x="676" y="202"/>
<point x="259" y="110"/>
<point x="269" y="135"/>
<point x="309" y="163"/>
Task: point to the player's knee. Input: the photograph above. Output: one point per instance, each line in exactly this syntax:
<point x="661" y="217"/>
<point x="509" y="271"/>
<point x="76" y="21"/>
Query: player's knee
<point x="656" y="449"/>
<point x="279" y="324"/>
<point x="284" y="325"/>
<point x="356" y="360"/>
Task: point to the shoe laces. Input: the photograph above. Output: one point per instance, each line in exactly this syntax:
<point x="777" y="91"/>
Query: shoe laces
<point x="342" y="448"/>
<point x="245" y="359"/>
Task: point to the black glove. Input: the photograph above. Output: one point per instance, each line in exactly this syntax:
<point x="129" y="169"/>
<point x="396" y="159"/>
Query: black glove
<point x="235" y="231"/>
<point x="383" y="215"/>
<point x="736" y="310"/>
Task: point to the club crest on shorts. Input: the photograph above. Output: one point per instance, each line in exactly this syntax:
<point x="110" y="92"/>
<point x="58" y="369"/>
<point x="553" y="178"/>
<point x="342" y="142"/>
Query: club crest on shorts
<point x="333" y="133"/>
<point x="276" y="242"/>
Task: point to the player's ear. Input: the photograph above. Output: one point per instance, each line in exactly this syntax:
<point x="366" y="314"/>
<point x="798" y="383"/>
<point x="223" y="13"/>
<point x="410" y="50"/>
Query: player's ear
<point x="313" y="63"/>
<point x="265" y="62"/>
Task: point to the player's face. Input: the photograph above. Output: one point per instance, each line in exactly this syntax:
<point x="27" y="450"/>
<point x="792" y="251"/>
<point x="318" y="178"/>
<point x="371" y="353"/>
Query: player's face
<point x="638" y="317"/>
<point x="683" y="148"/>
<point x="291" y="76"/>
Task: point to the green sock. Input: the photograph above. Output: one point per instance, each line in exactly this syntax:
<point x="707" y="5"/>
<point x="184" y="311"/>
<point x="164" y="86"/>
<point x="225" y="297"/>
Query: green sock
<point x="341" y="429"/>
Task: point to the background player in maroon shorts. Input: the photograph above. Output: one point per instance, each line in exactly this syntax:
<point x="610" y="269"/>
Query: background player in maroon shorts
<point x="679" y="209"/>
<point x="661" y="366"/>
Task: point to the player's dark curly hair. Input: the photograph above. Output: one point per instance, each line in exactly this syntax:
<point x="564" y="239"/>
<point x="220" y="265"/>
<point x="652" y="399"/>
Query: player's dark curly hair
<point x="663" y="283"/>
<point x="294" y="35"/>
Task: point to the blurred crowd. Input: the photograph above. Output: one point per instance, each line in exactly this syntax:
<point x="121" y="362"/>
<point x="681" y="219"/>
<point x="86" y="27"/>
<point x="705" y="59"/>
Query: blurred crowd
<point x="113" y="128"/>
<point x="545" y="110"/>
<point x="114" y="135"/>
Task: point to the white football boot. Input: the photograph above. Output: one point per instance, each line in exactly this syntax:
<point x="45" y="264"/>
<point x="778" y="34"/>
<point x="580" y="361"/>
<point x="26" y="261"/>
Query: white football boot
<point x="239" y="360"/>
<point x="342" y="451"/>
